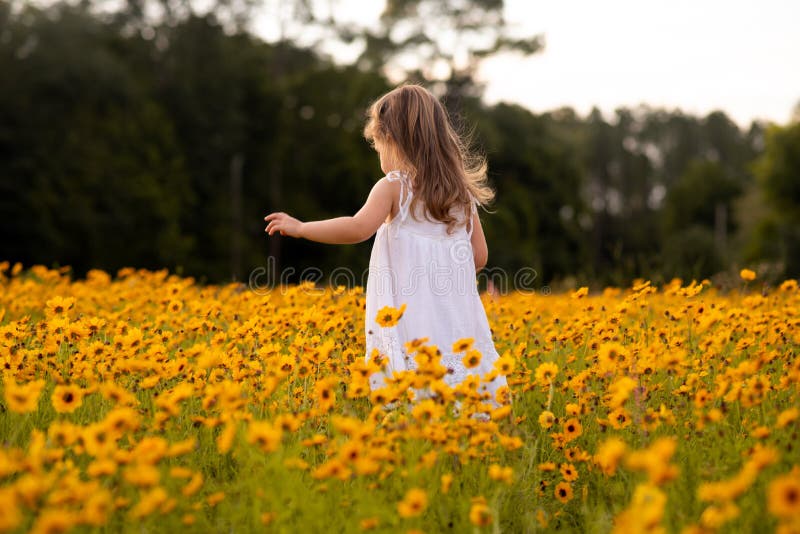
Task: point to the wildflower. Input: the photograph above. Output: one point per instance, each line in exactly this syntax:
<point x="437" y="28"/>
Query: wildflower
<point x="413" y="504"/>
<point x="783" y="496"/>
<point x="609" y="454"/>
<point x="479" y="513"/>
<point x="619" y="418"/>
<point x="545" y="373"/>
<point x="369" y="523"/>
<point x="215" y="498"/>
<point x="22" y="398"/>
<point x="611" y="356"/>
<point x="572" y="429"/>
<point x="747" y="275"/>
<point x="463" y="345"/>
<point x="193" y="485"/>
<point x="326" y="397"/>
<point x="787" y="417"/>
<point x="59" y="305"/>
<point x="580" y="293"/>
<point x="264" y="435"/>
<point x="546" y="419"/>
<point x="563" y="492"/>
<point x="67" y="398"/>
<point x="500" y="473"/>
<point x="569" y="472"/>
<point x="446" y="482"/>
<point x="54" y="520"/>
<point x="472" y="359"/>
<point x="226" y="437"/>
<point x="388" y="316"/>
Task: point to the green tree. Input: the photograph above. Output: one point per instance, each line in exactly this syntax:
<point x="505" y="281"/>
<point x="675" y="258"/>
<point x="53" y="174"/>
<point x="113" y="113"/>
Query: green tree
<point x="778" y="172"/>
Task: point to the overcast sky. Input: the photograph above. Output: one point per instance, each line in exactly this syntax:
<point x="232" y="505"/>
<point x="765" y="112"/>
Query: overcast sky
<point x="739" y="56"/>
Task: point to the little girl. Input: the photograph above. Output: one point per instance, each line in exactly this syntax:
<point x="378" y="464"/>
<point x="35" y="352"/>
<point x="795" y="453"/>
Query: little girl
<point x="429" y="241"/>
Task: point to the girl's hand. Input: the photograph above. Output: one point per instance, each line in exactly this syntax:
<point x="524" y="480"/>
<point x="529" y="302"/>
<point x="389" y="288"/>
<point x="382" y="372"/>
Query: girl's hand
<point x="283" y="223"/>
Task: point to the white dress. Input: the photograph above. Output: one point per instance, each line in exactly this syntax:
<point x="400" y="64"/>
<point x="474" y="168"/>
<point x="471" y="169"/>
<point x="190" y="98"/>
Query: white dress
<point x="415" y="262"/>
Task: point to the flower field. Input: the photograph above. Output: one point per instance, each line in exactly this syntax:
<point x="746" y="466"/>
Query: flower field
<point x="145" y="402"/>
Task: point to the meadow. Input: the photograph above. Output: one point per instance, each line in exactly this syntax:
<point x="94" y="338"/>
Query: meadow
<point x="145" y="402"/>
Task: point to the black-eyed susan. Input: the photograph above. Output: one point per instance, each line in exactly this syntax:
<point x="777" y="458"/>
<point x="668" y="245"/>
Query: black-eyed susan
<point x="463" y="344"/>
<point x="563" y="492"/>
<point x="266" y="436"/>
<point x="609" y="454"/>
<point x="413" y="504"/>
<point x="389" y="316"/>
<point x="501" y="473"/>
<point x="572" y="429"/>
<point x="783" y="496"/>
<point x="479" y="513"/>
<point x="747" y="275"/>
<point x="545" y="373"/>
<point x="619" y="418"/>
<point x="787" y="417"/>
<point x="472" y="359"/>
<point x="569" y="472"/>
<point x="446" y="481"/>
<point x="67" y="398"/>
<point x="59" y="305"/>
<point x="546" y="419"/>
<point x="22" y="398"/>
<point x="369" y="523"/>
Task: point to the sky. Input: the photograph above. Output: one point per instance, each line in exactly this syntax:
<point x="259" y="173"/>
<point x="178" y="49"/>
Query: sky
<point x="742" y="57"/>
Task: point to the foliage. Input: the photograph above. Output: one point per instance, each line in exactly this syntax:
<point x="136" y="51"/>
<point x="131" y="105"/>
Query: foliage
<point x="132" y="141"/>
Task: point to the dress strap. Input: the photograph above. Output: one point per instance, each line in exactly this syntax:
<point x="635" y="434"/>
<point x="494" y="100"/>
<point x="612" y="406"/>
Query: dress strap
<point x="405" y="192"/>
<point x="473" y="211"/>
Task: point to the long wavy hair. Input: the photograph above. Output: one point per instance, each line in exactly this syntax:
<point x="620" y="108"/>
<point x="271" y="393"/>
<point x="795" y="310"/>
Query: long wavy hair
<point x="417" y="129"/>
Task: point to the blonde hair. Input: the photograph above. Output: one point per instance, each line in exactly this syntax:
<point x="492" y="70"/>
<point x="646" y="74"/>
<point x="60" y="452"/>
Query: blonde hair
<point x="415" y="126"/>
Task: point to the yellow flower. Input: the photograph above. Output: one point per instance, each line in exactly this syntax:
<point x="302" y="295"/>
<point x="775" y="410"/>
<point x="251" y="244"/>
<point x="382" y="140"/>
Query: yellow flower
<point x="388" y="316"/>
<point x="619" y="418"/>
<point x="67" y="398"/>
<point x="226" y="437"/>
<point x="10" y="510"/>
<point x="563" y="492"/>
<point x="747" y="274"/>
<point x="265" y="435"/>
<point x="413" y="504"/>
<point x="545" y="373"/>
<point x="193" y="485"/>
<point x="572" y="429"/>
<point x="54" y="520"/>
<point x="787" y="417"/>
<point x="500" y="473"/>
<point x="580" y="293"/>
<point x="546" y="419"/>
<point x="463" y="345"/>
<point x="215" y="498"/>
<point x="611" y="357"/>
<point x="569" y="472"/>
<point x="22" y="398"/>
<point x="447" y="481"/>
<point x="59" y="305"/>
<point x="472" y="359"/>
<point x="479" y="513"/>
<point x="783" y="496"/>
<point x="609" y="454"/>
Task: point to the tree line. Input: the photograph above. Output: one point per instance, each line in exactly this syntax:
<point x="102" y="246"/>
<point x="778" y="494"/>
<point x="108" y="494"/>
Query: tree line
<point x="125" y="143"/>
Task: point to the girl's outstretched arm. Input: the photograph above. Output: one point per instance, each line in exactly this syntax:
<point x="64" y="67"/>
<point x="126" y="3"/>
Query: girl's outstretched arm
<point x="341" y="230"/>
